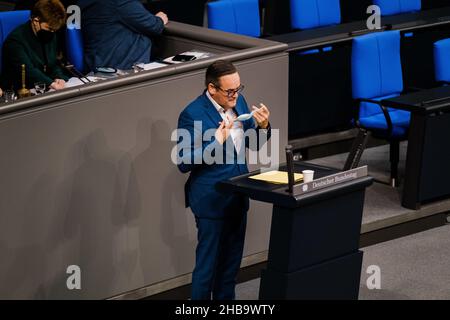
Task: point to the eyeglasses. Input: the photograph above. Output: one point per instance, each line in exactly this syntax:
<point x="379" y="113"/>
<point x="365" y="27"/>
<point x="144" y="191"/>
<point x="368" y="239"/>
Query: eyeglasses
<point x="231" y="92"/>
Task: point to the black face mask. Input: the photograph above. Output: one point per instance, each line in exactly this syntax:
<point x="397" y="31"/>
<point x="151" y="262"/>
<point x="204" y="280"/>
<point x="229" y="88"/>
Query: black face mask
<point x="45" y="36"/>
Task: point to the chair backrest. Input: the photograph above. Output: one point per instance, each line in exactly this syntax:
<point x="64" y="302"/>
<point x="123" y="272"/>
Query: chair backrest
<point x="235" y="16"/>
<point x="390" y="7"/>
<point x="74" y="48"/>
<point x="10" y="20"/>
<point x="307" y="14"/>
<point x="442" y="60"/>
<point x="376" y="68"/>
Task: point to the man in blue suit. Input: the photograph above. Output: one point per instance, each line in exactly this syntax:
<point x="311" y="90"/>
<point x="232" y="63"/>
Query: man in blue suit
<point x="220" y="218"/>
<point x="116" y="33"/>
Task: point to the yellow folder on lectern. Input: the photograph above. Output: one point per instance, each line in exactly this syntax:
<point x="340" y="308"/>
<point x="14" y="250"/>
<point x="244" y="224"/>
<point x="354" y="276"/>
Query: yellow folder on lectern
<point x="275" y="176"/>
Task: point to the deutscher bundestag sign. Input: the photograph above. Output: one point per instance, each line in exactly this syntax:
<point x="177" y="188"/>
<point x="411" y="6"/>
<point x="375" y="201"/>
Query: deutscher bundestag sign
<point x="331" y="180"/>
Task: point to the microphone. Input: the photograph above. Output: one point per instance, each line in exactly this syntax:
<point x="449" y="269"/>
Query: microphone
<point x="290" y="168"/>
<point x="73" y="71"/>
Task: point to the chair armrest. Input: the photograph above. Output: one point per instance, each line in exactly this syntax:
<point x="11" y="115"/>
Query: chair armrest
<point x="383" y="109"/>
<point x="369" y="100"/>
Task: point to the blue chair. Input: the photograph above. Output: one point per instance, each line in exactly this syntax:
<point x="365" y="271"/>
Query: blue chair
<point x="377" y="75"/>
<point x="442" y="60"/>
<point x="235" y="16"/>
<point x="308" y="14"/>
<point x="391" y="7"/>
<point x="74" y="48"/>
<point x="10" y="20"/>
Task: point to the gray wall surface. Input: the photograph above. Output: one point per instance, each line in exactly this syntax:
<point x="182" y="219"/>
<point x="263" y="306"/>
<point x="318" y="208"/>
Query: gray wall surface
<point x="88" y="181"/>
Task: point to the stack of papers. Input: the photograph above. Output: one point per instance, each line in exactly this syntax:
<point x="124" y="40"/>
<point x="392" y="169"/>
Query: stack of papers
<point x="275" y="176"/>
<point x="151" y="65"/>
<point x="154" y="65"/>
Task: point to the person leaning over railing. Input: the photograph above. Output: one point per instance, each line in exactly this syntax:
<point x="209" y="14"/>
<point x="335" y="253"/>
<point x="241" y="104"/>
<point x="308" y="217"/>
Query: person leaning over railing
<point x="34" y="45"/>
<point x="117" y="33"/>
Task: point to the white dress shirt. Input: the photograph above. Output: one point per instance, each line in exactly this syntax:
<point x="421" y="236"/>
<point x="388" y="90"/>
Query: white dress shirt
<point x="237" y="131"/>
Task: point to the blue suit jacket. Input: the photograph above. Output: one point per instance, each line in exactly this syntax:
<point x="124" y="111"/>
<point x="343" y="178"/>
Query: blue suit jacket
<point x="116" y="33"/>
<point x="200" y="192"/>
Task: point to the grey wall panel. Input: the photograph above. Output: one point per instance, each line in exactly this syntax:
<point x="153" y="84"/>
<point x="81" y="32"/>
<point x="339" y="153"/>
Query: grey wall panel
<point x="89" y="182"/>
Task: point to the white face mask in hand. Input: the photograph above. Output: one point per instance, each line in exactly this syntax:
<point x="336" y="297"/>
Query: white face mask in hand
<point x="245" y="116"/>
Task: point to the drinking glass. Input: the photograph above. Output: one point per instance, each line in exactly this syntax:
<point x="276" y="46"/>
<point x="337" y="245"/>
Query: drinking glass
<point x="40" y="87"/>
<point x="9" y="96"/>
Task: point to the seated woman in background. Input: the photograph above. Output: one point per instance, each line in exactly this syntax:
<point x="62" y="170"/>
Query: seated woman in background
<point x="61" y="34"/>
<point x="34" y="44"/>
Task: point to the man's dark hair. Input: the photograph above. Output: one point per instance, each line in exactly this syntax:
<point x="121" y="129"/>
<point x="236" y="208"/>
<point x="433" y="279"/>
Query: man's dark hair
<point x="218" y="69"/>
<point x="51" y="12"/>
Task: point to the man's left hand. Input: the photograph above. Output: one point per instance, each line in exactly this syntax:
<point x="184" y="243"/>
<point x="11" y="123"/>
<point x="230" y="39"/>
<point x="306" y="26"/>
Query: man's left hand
<point x="261" y="116"/>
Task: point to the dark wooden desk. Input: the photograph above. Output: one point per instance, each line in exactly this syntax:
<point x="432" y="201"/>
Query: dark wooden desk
<point x="314" y="237"/>
<point x="277" y="12"/>
<point x="345" y="32"/>
<point x="427" y="175"/>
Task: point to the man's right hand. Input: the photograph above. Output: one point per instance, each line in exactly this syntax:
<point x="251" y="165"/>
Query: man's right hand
<point x="163" y="17"/>
<point x="223" y="132"/>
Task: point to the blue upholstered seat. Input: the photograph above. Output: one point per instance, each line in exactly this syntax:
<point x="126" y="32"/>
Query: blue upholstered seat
<point x="442" y="60"/>
<point x="391" y="7"/>
<point x="377" y="75"/>
<point x="308" y="14"/>
<point x="378" y="122"/>
<point x="235" y="16"/>
<point x="9" y="20"/>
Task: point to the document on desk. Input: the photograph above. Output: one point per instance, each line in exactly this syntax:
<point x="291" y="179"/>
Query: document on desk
<point x="74" y="81"/>
<point x="275" y="176"/>
<point x="153" y="65"/>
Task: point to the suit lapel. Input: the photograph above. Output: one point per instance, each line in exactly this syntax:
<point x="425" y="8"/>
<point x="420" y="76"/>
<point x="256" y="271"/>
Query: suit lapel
<point x="211" y="111"/>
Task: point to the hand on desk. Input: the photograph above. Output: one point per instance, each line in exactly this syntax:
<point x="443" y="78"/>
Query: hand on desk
<point x="58" y="84"/>
<point x="261" y="116"/>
